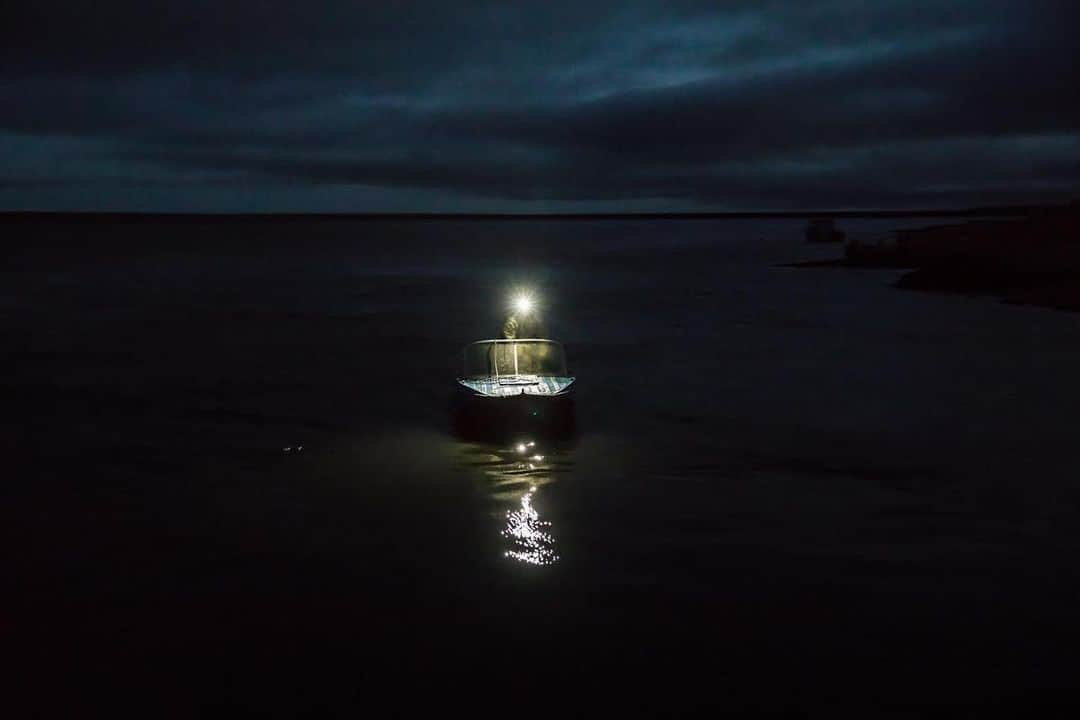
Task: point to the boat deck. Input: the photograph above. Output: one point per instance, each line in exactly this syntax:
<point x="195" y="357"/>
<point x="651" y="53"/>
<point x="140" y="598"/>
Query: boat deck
<point x="510" y="385"/>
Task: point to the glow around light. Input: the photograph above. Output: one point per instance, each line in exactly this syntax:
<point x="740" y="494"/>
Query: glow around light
<point x="523" y="304"/>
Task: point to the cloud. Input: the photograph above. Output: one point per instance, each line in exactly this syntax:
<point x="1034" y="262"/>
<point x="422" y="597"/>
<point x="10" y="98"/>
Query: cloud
<point x="489" y="106"/>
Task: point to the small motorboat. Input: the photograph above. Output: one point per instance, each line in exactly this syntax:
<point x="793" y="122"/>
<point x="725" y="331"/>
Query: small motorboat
<point x="514" y="385"/>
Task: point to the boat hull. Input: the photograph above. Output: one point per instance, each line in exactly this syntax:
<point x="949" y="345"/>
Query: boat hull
<point x="498" y="418"/>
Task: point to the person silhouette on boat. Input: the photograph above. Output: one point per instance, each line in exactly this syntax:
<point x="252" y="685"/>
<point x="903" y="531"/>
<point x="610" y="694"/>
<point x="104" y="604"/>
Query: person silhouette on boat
<point x="510" y="328"/>
<point x="515" y="327"/>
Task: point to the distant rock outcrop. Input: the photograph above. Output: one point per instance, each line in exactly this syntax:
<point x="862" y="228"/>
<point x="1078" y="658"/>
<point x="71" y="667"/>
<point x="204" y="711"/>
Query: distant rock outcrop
<point x="1033" y="260"/>
<point x="823" y="229"/>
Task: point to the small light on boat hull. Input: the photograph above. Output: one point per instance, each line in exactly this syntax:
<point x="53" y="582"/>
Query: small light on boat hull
<point x="486" y="418"/>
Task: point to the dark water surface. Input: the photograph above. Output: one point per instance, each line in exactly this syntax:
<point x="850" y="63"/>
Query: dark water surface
<point x="791" y="489"/>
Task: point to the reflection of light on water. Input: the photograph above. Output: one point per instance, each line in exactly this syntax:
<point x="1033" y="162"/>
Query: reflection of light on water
<point x="532" y="543"/>
<point x="515" y="473"/>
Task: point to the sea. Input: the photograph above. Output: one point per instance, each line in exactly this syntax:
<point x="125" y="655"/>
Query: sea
<point x="233" y="485"/>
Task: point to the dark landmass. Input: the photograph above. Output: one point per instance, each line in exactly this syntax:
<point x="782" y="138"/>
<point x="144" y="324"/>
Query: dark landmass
<point x="795" y="214"/>
<point x="1033" y="260"/>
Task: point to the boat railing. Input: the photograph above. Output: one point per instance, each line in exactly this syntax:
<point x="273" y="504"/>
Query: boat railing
<point x="514" y="361"/>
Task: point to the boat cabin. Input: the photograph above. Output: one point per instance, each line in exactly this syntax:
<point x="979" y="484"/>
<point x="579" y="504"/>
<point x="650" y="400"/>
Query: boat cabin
<point x="530" y="366"/>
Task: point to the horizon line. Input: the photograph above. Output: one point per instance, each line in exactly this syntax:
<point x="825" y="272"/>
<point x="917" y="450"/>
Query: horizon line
<point x="986" y="211"/>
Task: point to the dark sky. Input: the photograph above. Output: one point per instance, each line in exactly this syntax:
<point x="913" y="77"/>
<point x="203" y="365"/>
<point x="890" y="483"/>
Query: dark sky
<point x="549" y="106"/>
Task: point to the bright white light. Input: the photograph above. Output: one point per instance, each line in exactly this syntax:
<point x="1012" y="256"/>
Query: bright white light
<point x="523" y="304"/>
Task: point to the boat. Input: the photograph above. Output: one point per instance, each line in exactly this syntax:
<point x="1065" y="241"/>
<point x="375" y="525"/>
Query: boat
<point x="513" y="385"/>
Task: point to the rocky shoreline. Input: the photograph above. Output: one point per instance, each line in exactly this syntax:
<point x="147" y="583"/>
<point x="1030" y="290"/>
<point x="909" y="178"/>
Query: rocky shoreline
<point x="1034" y="260"/>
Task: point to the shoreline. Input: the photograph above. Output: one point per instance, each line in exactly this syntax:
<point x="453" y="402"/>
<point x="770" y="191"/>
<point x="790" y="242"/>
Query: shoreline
<point x="1030" y="261"/>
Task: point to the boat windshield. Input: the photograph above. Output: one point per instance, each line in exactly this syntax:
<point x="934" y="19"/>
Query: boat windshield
<point x="515" y="357"/>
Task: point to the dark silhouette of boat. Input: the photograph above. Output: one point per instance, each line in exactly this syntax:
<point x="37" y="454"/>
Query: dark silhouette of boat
<point x="515" y="386"/>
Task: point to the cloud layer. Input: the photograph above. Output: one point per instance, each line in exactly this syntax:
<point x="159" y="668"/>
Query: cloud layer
<point x="494" y="106"/>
